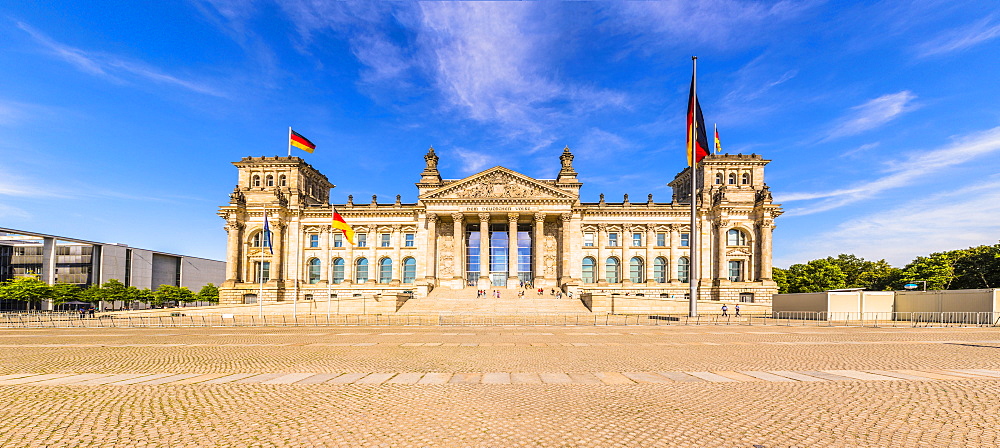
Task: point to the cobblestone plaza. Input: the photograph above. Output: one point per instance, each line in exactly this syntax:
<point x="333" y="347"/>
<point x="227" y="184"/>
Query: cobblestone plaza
<point x="500" y="386"/>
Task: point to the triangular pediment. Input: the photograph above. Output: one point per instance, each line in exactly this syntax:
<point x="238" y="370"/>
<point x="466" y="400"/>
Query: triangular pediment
<point x="498" y="183"/>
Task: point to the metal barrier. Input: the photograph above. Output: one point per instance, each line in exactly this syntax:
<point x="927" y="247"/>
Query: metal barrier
<point x="802" y="318"/>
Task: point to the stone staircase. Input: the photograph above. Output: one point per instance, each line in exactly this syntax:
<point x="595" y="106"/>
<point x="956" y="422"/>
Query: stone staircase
<point x="460" y="301"/>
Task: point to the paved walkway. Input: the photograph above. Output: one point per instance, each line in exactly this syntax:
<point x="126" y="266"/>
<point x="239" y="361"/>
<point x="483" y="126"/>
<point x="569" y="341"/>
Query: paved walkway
<point x="500" y="386"/>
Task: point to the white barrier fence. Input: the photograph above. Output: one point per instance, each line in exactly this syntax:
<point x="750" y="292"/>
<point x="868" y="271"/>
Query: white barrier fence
<point x="68" y="320"/>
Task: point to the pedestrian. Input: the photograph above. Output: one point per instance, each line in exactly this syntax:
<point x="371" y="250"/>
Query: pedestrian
<point x="91" y="312"/>
<point x="725" y="310"/>
<point x="539" y="291"/>
<point x="559" y="295"/>
<point x="83" y="313"/>
<point x="737" y="310"/>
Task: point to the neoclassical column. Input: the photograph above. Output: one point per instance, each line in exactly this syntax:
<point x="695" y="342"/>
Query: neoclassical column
<point x="602" y="240"/>
<point x="538" y="254"/>
<point x="720" y="250"/>
<point x="234" y="252"/>
<point x="277" y="241"/>
<point x="349" y="261"/>
<point x="324" y="265"/>
<point x="675" y="253"/>
<point x="458" y="242"/>
<point x="566" y="250"/>
<point x="430" y="259"/>
<point x="650" y="242"/>
<point x="397" y="262"/>
<point x="484" y="245"/>
<point x="766" y="230"/>
<point x="512" y="248"/>
<point x="626" y="245"/>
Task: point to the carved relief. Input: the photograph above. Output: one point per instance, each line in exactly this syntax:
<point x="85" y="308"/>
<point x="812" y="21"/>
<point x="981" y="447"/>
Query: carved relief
<point x="498" y="184"/>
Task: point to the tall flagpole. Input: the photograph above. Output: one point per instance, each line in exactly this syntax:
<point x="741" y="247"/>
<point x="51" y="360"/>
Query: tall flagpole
<point x="693" y="238"/>
<point x="289" y="141"/>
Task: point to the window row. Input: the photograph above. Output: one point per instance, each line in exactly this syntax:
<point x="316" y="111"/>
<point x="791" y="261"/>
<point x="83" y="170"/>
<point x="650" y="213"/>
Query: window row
<point x="734" y="237"/>
<point x="260" y="239"/>
<point x="589" y="239"/>
<point x="383" y="270"/>
<point x="731" y="179"/>
<point x="255" y="181"/>
<point x="637" y="270"/>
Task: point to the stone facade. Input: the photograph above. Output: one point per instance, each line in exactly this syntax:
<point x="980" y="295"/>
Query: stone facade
<point x="635" y="248"/>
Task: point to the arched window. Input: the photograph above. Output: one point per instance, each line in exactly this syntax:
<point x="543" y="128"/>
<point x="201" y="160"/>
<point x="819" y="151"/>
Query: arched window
<point x="718" y="178"/>
<point x="361" y="270"/>
<point x="256" y="181"/>
<point x="683" y="269"/>
<point x="260" y="239"/>
<point x="635" y="270"/>
<point x="269" y="180"/>
<point x="736" y="237"/>
<point x="282" y="181"/>
<point x="732" y="178"/>
<point x="588" y="270"/>
<point x="660" y="270"/>
<point x="338" y="271"/>
<point x="745" y="179"/>
<point x="385" y="270"/>
<point x="314" y="271"/>
<point x="409" y="270"/>
<point x="612" y="270"/>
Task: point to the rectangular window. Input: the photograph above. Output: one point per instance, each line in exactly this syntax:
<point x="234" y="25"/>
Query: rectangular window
<point x="362" y="239"/>
<point x="410" y="240"/>
<point x="636" y="240"/>
<point x="338" y="239"/>
<point x="262" y="271"/>
<point x="661" y="239"/>
<point x="384" y="240"/>
<point x="736" y="270"/>
<point x="685" y="240"/>
<point x="588" y="239"/>
<point x="314" y="240"/>
<point x="746" y="297"/>
<point x="613" y="239"/>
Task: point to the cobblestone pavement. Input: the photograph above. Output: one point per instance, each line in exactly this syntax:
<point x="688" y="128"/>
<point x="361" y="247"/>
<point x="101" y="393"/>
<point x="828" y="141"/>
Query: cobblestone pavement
<point x="500" y="386"/>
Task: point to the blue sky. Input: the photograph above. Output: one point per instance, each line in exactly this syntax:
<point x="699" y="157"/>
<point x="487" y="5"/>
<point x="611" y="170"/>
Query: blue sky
<point x="882" y="119"/>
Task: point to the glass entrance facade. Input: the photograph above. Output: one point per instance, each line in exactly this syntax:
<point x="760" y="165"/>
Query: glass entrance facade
<point x="497" y="260"/>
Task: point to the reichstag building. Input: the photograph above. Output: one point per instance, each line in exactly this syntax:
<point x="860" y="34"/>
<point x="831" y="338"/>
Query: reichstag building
<point x="497" y="229"/>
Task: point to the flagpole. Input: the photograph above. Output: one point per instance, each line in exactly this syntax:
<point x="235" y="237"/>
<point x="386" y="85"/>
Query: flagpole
<point x="289" y="141"/>
<point x="693" y="238"/>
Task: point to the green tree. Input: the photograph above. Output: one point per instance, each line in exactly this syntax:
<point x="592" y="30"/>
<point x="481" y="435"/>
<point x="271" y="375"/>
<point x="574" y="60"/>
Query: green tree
<point x="26" y="289"/>
<point x="169" y="293"/>
<point x="780" y="277"/>
<point x="976" y="267"/>
<point x="65" y="292"/>
<point x="815" y="276"/>
<point x="209" y="293"/>
<point x="937" y="270"/>
<point x="861" y="273"/>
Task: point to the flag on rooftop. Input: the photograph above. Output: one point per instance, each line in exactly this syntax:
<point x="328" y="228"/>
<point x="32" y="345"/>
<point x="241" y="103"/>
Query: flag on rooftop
<point x="718" y="143"/>
<point x="297" y="140"/>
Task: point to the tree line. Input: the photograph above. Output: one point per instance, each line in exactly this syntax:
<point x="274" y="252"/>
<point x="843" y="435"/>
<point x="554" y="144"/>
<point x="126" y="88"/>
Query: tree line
<point x="33" y="291"/>
<point x="973" y="268"/>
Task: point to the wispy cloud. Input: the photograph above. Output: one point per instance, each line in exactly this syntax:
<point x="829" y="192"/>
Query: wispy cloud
<point x="112" y="67"/>
<point x="952" y="220"/>
<point x="12" y="212"/>
<point x="873" y="114"/>
<point x="721" y="23"/>
<point x="900" y="173"/>
<point x="473" y="161"/>
<point x="961" y="38"/>
<point x="13" y="112"/>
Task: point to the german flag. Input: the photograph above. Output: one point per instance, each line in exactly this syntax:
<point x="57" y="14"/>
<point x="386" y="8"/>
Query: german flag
<point x="297" y="140"/>
<point x="697" y="144"/>
<point x="339" y="223"/>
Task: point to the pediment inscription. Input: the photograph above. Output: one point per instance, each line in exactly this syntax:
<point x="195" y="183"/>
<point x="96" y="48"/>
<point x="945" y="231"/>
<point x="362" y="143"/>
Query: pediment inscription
<point x="498" y="184"/>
